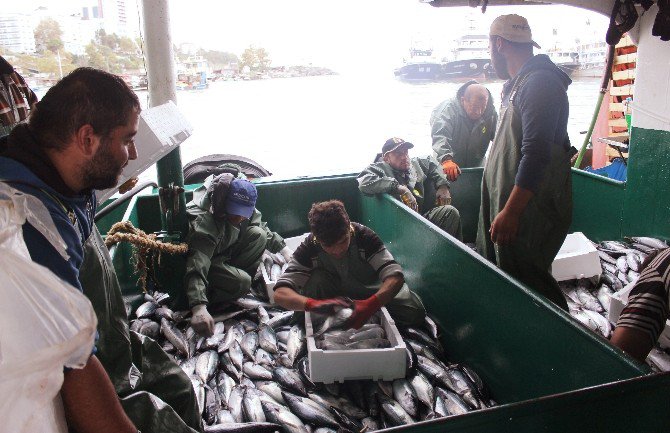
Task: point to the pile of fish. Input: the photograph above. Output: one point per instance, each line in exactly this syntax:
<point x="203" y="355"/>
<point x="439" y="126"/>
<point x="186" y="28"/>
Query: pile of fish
<point x="253" y="373"/>
<point x="589" y="300"/>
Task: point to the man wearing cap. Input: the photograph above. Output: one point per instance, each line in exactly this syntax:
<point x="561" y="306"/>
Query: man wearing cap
<point x="462" y="128"/>
<point x="225" y="243"/>
<point x="408" y="179"/>
<point x="526" y="206"/>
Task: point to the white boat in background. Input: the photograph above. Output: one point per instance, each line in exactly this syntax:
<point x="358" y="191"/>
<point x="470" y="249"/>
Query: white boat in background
<point x="567" y="60"/>
<point x="592" y="57"/>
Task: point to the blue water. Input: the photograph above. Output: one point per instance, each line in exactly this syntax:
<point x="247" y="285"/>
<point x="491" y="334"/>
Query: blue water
<point x="328" y="124"/>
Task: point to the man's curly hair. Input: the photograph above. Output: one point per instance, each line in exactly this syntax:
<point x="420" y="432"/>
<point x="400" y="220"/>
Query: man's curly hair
<point x="328" y="221"/>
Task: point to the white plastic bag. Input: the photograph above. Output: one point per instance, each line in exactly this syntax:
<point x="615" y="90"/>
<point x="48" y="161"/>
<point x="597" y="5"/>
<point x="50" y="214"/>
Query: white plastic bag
<point x="45" y="323"/>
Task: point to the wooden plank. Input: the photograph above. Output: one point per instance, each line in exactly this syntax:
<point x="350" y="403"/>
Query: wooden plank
<point x="617" y="106"/>
<point x="628" y="74"/>
<point x="620" y="123"/>
<point x="626" y="58"/>
<point x="626" y="90"/>
<point x="618" y="134"/>
<point x="625" y="41"/>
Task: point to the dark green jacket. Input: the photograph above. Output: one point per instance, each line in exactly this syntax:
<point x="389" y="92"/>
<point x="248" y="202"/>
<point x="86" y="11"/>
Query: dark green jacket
<point x="211" y="239"/>
<point x="380" y="178"/>
<point x="457" y="137"/>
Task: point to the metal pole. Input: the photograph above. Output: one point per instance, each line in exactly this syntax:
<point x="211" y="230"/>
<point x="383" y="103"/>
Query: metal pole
<point x="162" y="88"/>
<point x="607" y="74"/>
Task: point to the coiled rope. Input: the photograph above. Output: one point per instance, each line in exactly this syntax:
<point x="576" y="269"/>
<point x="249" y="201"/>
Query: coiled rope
<point x="145" y="246"/>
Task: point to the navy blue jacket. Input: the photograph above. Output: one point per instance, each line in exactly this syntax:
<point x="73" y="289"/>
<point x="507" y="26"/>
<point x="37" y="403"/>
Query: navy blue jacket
<point x="542" y="102"/>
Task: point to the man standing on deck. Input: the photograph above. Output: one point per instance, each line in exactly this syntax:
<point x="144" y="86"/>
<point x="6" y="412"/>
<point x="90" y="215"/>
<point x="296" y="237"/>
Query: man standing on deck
<point x="462" y="129"/>
<point x="526" y="206"/>
<point x="78" y="139"/>
<point x="408" y="179"/>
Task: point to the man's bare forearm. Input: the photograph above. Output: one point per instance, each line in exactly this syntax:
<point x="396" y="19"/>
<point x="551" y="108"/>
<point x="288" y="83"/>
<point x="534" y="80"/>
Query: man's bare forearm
<point x="390" y="288"/>
<point x="90" y="401"/>
<point x="518" y="200"/>
<point x="289" y="299"/>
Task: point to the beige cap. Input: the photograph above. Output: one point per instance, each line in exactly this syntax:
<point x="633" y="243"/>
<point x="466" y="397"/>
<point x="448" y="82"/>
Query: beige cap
<point x="514" y="28"/>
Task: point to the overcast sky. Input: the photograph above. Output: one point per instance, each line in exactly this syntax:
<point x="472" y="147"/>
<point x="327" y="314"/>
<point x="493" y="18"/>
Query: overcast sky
<point x="347" y="34"/>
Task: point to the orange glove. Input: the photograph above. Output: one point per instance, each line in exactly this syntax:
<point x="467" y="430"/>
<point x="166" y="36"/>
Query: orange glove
<point x="363" y="310"/>
<point x="451" y="169"/>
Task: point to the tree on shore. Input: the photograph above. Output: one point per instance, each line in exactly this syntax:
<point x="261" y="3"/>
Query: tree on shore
<point x="257" y="59"/>
<point x="48" y="36"/>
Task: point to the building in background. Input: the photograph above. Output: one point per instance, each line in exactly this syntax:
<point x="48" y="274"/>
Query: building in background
<point x="16" y="33"/>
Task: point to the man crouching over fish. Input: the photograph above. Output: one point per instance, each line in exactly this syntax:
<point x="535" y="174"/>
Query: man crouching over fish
<point x="340" y="258"/>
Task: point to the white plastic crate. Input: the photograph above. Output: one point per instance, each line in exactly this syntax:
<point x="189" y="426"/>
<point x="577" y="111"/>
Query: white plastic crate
<point x="618" y="302"/>
<point x="292" y="243"/>
<point x="577" y="258"/>
<point x="328" y="366"/>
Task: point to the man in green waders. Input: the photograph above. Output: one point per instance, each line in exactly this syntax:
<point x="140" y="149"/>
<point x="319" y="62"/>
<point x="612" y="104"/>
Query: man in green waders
<point x="340" y="258"/>
<point x="226" y="241"/>
<point x="78" y="139"/>
<point x="408" y="179"/>
<point x="526" y="206"/>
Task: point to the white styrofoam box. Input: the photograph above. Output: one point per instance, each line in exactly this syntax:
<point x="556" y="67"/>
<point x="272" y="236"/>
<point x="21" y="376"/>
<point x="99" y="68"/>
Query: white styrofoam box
<point x="328" y="366"/>
<point x="161" y="129"/>
<point x="292" y="243"/>
<point x="577" y="258"/>
<point x="618" y="302"/>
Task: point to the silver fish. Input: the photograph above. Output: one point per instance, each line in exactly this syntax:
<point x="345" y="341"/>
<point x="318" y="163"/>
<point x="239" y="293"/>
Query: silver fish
<point x="309" y="411"/>
<point x="622" y="263"/>
<point x="634" y="262"/>
<point x="264" y="358"/>
<point x="236" y="354"/>
<point x="289" y="379"/>
<point x="373" y="343"/>
<point x="335" y="321"/>
<point x="249" y="344"/>
<point x="246" y="427"/>
<point x="235" y="401"/>
<point x="267" y="339"/>
<point x="424" y="390"/>
<point x="404" y="393"/>
<point x="175" y="337"/>
<point x="650" y="242"/>
<point x="279" y="414"/>
<point x="263" y="316"/>
<point x="225" y="386"/>
<point x="377" y="332"/>
<point x="164" y="313"/>
<point x="255" y="371"/>
<point x="327" y="400"/>
<point x="296" y="343"/>
<point x="212" y="404"/>
<point x="272" y="389"/>
<point x="252" y="409"/>
<point x="586" y="299"/>
<point x="199" y="389"/>
<point x="452" y="402"/>
<point x="206" y="364"/>
<point x="188" y="365"/>
<point x="284" y="361"/>
<point x="280" y="319"/>
<point x="151" y="329"/>
<point x="223" y="416"/>
<point x="394" y="411"/>
<point x="148" y="309"/>
<point x="250" y="303"/>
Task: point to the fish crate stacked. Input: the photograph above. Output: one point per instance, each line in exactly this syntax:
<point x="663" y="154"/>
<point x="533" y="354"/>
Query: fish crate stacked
<point x="383" y="363"/>
<point x="622" y="87"/>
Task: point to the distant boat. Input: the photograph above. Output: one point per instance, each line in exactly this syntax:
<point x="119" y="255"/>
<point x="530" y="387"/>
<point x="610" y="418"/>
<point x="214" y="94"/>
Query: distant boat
<point x="567" y="60"/>
<point x="471" y="57"/>
<point x="421" y="66"/>
<point x="592" y="57"/>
